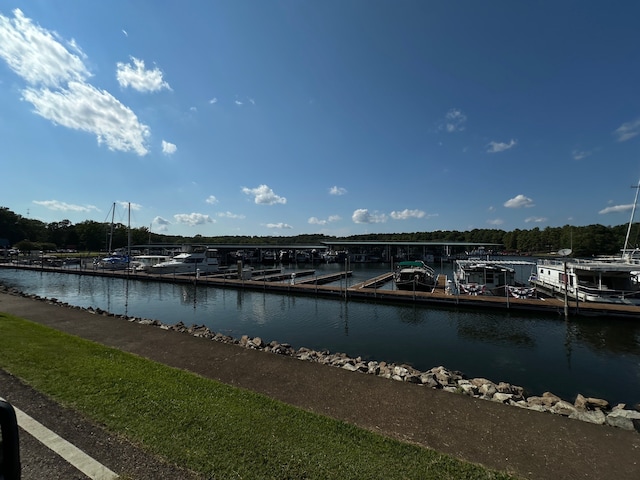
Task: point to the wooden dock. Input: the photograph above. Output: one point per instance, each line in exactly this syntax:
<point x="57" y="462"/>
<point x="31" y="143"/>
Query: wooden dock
<point x="364" y="291"/>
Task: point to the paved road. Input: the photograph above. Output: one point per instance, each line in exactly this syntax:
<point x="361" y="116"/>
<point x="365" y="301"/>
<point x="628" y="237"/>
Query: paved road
<point x="530" y="444"/>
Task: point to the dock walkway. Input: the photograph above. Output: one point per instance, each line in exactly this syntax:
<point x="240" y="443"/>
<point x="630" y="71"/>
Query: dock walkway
<point x="367" y="291"/>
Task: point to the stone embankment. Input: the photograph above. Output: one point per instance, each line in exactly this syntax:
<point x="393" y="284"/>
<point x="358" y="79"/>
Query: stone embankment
<point x="593" y="410"/>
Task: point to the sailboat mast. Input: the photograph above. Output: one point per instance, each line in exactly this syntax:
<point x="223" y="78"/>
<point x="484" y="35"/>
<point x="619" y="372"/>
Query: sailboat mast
<point x="633" y="211"/>
<point x="113" y="214"/>
<point x="129" y="232"/>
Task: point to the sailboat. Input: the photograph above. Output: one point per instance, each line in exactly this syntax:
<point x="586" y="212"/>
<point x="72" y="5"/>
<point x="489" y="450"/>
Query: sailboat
<point x="117" y="261"/>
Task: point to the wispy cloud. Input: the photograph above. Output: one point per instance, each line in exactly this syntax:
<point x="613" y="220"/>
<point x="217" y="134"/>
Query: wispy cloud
<point x="278" y="226"/>
<point x="580" y="154"/>
<point x="627" y="131"/>
<point x="317" y="221"/>
<point x="65" y="207"/>
<point x="407" y="214"/>
<point x="235" y="216"/>
<point x="58" y="87"/>
<point x="133" y="206"/>
<point x="616" y="209"/>
<point x="495" y="222"/>
<point x="211" y="200"/>
<point x="135" y="75"/>
<point x="362" y="215"/>
<point x="454" y="121"/>
<point x="193" y="219"/>
<point x="495" y="147"/>
<point x="263" y="195"/>
<point x="519" y="201"/>
<point x="535" y="220"/>
<point x="335" y="190"/>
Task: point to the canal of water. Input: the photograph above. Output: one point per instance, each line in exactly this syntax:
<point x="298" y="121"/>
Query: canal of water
<point x="598" y="357"/>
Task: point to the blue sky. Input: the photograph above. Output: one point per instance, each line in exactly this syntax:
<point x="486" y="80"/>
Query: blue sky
<point x="340" y="117"/>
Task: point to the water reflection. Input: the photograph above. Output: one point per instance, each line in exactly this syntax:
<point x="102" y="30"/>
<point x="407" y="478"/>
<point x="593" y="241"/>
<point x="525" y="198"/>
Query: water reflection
<point x="598" y="357"/>
<point x="495" y="330"/>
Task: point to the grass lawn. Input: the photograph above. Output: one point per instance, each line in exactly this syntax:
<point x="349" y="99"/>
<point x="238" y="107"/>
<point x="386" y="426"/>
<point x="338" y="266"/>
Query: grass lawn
<point x="207" y="426"/>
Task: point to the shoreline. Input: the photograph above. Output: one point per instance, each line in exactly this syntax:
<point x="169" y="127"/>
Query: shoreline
<point x="586" y="409"/>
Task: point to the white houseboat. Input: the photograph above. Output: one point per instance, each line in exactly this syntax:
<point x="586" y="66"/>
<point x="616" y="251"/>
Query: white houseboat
<point x="479" y="277"/>
<point x="599" y="280"/>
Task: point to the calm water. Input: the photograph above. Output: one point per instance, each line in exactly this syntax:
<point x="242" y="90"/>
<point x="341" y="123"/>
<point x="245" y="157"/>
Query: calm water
<point x="595" y="357"/>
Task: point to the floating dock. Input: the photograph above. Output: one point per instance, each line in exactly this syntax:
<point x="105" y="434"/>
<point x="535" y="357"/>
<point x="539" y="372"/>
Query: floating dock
<point x="306" y="283"/>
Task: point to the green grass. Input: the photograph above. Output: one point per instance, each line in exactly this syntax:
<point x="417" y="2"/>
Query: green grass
<point x="204" y="425"/>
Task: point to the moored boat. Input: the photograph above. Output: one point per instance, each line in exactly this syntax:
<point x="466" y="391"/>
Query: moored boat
<point x="414" y="275"/>
<point x="589" y="280"/>
<point x="143" y="263"/>
<point x="198" y="260"/>
<point x="478" y="277"/>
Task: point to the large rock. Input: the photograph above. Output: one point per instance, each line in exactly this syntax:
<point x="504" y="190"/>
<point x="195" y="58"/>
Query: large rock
<point x="625" y="419"/>
<point x="592" y="416"/>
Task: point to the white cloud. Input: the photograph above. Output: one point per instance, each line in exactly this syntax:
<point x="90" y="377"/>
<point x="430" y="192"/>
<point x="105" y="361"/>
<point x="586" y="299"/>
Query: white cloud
<point x="616" y="209"/>
<point x="64" y="207"/>
<point x="263" y="195"/>
<point x="162" y="224"/>
<point x="134" y="206"/>
<point x="627" y="130"/>
<point x="211" y="200"/>
<point x="213" y="101"/>
<point x="193" y="219"/>
<point x="317" y="221"/>
<point x="519" y="201"/>
<point x="406" y="214"/>
<point x="495" y="147"/>
<point x="238" y="102"/>
<point x="83" y="107"/>
<point x="535" y="220"/>
<point x="36" y="55"/>
<point x="362" y="215"/>
<point x="280" y="226"/>
<point x="580" y="154"/>
<point x="138" y="78"/>
<point x="335" y="190"/>
<point x="454" y="121"/>
<point x="58" y="87"/>
<point x="495" y="221"/>
<point x="234" y="216"/>
<point x="168" y="148"/>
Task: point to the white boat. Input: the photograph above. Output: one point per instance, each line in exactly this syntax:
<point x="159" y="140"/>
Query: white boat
<point x="496" y="277"/>
<point x="198" y="260"/>
<point x="143" y="263"/>
<point x="601" y="279"/>
<point x="587" y="280"/>
<point x="414" y="275"/>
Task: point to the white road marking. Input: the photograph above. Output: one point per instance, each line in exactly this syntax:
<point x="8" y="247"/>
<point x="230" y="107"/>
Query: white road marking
<point x="72" y="454"/>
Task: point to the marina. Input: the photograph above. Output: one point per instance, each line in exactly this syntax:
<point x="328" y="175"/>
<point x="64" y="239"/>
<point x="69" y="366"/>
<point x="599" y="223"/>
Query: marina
<point x="362" y="315"/>
<point x="442" y="292"/>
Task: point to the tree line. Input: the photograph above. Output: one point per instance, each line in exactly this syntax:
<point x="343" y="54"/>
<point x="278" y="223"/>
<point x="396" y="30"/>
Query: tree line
<point x="29" y="234"/>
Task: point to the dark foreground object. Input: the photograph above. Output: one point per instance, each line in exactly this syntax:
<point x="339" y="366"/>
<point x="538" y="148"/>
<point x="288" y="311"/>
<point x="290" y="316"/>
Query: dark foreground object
<point x="526" y="443"/>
